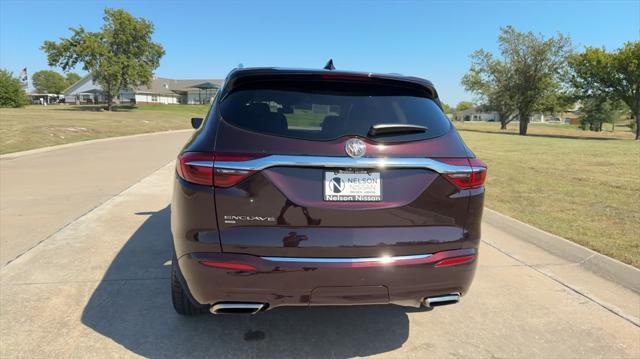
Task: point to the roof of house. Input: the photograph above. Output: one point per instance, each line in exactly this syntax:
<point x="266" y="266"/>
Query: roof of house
<point x="570" y="115"/>
<point x="76" y="84"/>
<point x="471" y="110"/>
<point x="163" y="85"/>
<point x="206" y="86"/>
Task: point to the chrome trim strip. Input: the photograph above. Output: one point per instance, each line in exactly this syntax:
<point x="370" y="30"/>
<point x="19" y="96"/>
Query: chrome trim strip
<point x="346" y="260"/>
<point x="336" y="162"/>
<point x="201" y="163"/>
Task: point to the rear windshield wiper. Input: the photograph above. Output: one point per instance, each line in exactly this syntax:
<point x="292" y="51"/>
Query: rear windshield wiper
<point x="394" y="128"/>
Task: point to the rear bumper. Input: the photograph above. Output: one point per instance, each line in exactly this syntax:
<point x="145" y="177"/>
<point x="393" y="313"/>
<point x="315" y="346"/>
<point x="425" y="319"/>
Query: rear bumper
<point x="304" y="282"/>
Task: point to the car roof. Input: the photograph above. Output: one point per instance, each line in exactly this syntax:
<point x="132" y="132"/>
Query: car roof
<point x="242" y="73"/>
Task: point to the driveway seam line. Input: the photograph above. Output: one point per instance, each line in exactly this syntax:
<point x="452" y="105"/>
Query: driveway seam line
<point x="587" y="259"/>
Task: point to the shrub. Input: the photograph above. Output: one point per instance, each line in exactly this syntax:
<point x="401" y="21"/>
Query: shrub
<point x="11" y="92"/>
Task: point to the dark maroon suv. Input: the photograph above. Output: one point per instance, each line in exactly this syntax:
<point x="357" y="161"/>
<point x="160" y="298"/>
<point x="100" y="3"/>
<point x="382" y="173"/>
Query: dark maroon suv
<point x="324" y="187"/>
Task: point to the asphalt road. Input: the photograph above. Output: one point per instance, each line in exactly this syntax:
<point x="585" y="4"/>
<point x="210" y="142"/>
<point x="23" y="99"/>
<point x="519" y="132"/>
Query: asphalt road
<point x="99" y="287"/>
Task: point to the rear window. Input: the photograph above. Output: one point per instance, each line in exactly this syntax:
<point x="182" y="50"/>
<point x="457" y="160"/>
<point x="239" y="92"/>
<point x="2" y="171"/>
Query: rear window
<point x="328" y="110"/>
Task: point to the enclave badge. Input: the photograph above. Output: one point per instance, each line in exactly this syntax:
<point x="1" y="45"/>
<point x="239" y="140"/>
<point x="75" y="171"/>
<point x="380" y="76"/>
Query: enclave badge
<point x="355" y="148"/>
<point x="234" y="219"/>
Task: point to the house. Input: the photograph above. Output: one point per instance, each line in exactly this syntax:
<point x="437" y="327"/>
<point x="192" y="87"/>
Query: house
<point x="161" y="91"/>
<point x="474" y="114"/>
<point x="43" y="98"/>
<point x="570" y="116"/>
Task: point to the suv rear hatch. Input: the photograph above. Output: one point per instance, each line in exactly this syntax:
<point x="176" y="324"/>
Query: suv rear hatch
<point x="287" y="187"/>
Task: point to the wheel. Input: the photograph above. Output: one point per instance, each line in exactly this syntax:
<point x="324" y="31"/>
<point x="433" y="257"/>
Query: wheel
<point x="182" y="303"/>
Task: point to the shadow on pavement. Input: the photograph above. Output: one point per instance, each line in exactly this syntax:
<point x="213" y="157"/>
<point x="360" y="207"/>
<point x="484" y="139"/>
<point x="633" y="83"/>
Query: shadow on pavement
<point x="132" y="306"/>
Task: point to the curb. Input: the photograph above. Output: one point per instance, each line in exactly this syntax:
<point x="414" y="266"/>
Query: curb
<point x="603" y="266"/>
<point x="12" y="155"/>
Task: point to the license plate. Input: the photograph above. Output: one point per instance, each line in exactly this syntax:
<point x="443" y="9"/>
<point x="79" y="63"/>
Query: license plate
<point x="351" y="186"/>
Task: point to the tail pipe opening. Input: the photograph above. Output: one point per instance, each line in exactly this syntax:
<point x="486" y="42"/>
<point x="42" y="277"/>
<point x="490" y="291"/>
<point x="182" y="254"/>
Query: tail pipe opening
<point x="447" y="299"/>
<point x="237" y="308"/>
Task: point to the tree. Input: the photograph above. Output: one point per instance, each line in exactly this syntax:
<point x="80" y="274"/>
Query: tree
<point x="11" y="91"/>
<point x="614" y="75"/>
<point x="464" y="105"/>
<point x="527" y="76"/>
<point x="488" y="79"/>
<point x="47" y="81"/>
<point x="598" y="110"/>
<point x="72" y="78"/>
<point x="445" y="108"/>
<point x="616" y="110"/>
<point x="120" y="56"/>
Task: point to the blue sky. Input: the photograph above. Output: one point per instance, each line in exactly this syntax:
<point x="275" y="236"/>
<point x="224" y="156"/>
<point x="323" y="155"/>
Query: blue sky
<point x="426" y="39"/>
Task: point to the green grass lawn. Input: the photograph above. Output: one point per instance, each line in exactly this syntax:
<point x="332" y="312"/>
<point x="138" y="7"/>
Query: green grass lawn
<point x="39" y="126"/>
<point x="586" y="190"/>
<point x="548" y="129"/>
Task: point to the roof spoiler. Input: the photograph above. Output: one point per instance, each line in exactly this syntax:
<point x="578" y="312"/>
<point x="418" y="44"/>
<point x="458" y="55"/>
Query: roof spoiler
<point x="258" y="74"/>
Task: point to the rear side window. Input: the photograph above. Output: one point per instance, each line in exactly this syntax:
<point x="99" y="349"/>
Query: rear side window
<point x="328" y="110"/>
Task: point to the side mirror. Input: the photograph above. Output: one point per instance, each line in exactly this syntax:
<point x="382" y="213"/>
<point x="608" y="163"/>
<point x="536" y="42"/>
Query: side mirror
<point x="196" y="122"/>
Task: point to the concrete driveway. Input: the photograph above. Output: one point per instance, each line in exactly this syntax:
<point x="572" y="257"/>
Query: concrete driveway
<point x="44" y="191"/>
<point x="99" y="287"/>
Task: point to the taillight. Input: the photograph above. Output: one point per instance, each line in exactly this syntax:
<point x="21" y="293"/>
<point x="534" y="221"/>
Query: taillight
<point x="207" y="168"/>
<point x="196" y="167"/>
<point x="473" y="176"/>
<point x="225" y="177"/>
<point x="454" y="261"/>
<point x="227" y="265"/>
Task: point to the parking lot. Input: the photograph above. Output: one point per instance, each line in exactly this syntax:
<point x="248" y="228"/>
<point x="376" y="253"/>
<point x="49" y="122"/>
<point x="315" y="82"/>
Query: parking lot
<point x="99" y="286"/>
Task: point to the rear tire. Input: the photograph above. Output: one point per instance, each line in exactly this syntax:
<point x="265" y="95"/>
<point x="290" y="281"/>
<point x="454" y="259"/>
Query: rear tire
<point x="180" y="298"/>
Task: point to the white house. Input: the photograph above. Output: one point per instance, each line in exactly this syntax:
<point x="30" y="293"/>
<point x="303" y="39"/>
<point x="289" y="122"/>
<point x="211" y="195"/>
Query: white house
<point x="161" y="91"/>
<point x="43" y="98"/>
<point x="474" y="114"/>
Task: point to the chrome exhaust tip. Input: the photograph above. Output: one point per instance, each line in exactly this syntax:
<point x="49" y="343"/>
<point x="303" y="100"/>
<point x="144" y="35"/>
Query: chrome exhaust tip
<point x="236" y="308"/>
<point x="447" y="299"/>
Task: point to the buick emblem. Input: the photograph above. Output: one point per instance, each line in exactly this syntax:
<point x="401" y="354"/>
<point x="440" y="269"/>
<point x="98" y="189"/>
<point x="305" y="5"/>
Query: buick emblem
<point x="355" y="148"/>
